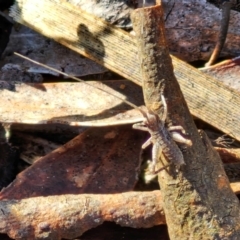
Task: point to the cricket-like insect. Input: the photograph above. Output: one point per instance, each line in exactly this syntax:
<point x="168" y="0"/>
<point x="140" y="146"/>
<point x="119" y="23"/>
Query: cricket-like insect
<point x="162" y="138"/>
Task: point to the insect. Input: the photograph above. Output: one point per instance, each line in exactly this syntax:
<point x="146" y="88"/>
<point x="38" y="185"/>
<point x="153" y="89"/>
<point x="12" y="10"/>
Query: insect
<point x="161" y="137"/>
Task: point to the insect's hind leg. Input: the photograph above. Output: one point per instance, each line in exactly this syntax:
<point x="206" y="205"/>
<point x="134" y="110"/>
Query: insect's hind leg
<point x="177" y="137"/>
<point x="162" y="168"/>
<point x="147" y="143"/>
<point x="173" y="128"/>
<point x="156" y="153"/>
<point x="164" y="116"/>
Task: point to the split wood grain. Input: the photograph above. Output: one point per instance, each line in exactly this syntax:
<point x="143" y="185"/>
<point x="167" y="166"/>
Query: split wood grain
<point x="207" y="98"/>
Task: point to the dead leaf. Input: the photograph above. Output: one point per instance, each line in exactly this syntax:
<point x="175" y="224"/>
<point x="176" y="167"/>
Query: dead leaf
<point x="85" y="106"/>
<point x="90" y="163"/>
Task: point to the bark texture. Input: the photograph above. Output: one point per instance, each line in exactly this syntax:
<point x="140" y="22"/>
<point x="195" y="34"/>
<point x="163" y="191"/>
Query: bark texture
<point x="198" y="201"/>
<point x="69" y="216"/>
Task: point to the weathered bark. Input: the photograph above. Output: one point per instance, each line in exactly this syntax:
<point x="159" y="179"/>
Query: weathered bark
<point x="229" y="154"/>
<point x="41" y="217"/>
<point x="193" y="28"/>
<point x="198" y="201"/>
<point x="69" y="216"/>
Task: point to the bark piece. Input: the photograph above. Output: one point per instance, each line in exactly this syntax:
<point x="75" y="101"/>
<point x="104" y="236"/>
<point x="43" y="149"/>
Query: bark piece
<point x="112" y="231"/>
<point x="69" y="216"/>
<point x="192" y="29"/>
<point x="117" y="50"/>
<point x="100" y="160"/>
<point x="112" y="11"/>
<point x="229" y="155"/>
<point x="233" y="171"/>
<point x="12" y="73"/>
<point x="199" y="194"/>
<point x="227" y="72"/>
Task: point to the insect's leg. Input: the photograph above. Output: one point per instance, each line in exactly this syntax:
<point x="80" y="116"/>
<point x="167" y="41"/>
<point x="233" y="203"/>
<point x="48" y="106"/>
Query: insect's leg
<point x="140" y="126"/>
<point x="164" y="116"/>
<point x="173" y="128"/>
<point x="156" y="152"/>
<point x="179" y="138"/>
<point x="147" y="143"/>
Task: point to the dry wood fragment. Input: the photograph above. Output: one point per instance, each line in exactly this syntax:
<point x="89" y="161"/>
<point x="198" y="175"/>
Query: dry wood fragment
<point x="65" y="215"/>
<point x="201" y="188"/>
<point x="227" y="72"/>
<point x="229" y="155"/>
<point x="116" y="50"/>
<point x="69" y="216"/>
<point x="110" y="230"/>
<point x="233" y="171"/>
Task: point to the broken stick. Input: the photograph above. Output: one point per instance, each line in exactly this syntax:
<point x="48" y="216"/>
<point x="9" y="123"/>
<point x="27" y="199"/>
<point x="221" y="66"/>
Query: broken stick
<point x="201" y="187"/>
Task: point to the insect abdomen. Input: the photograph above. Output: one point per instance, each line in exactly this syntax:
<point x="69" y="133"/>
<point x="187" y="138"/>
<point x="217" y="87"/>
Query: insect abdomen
<point x="170" y="150"/>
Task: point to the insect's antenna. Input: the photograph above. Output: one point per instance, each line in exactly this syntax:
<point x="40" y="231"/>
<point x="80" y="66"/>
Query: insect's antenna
<point x="80" y="80"/>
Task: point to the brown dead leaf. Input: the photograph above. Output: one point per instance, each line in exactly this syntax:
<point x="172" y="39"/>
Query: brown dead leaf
<point x="100" y="160"/>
